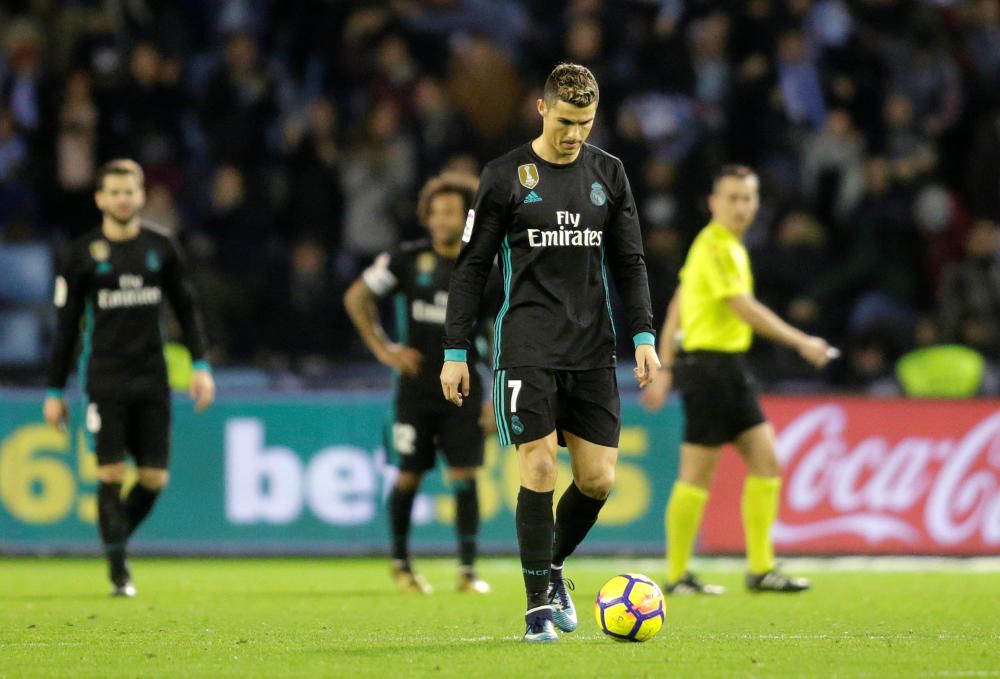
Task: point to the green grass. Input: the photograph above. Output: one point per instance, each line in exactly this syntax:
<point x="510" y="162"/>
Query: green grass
<point x="326" y="618"/>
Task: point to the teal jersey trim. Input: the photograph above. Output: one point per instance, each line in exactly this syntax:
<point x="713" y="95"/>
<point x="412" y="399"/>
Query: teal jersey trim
<point x="460" y="355"/>
<point x="83" y="366"/>
<point x="505" y="265"/>
<point x="643" y="338"/>
<point x="499" y="406"/>
<point x="402" y="319"/>
<point x="202" y="364"/>
<point x="53" y="393"/>
<point x="607" y="296"/>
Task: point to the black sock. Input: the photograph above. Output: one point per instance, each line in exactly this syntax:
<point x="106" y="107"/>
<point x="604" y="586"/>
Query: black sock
<point x="466" y="520"/>
<point x="111" y="516"/>
<point x="575" y="516"/>
<point x="400" y="511"/>
<point x="534" y="539"/>
<point x="138" y="504"/>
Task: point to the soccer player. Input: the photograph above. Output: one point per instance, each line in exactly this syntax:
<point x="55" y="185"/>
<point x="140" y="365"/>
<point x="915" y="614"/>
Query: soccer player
<point x="560" y="212"/>
<point x="418" y="272"/>
<point x="115" y="279"/>
<point x="716" y="310"/>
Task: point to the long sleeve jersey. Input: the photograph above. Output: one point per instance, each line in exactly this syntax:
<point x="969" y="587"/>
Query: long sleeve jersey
<point x="117" y="288"/>
<point x="557" y="230"/>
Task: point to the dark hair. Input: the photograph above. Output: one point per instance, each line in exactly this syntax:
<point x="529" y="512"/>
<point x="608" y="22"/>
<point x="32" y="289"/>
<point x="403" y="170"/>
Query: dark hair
<point x="732" y="170"/>
<point x="447" y="182"/>
<point x="120" y="167"/>
<point x="573" y="84"/>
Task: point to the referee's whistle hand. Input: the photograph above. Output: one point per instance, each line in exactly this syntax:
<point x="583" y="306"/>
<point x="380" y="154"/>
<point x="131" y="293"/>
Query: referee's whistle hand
<point x="647" y="363"/>
<point x="455" y="381"/>
<point x="817" y="351"/>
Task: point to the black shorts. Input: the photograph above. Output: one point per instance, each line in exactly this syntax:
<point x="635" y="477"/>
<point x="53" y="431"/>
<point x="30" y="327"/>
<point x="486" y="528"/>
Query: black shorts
<point x="720" y="399"/>
<point x="139" y="425"/>
<point x="530" y="402"/>
<point x="419" y="429"/>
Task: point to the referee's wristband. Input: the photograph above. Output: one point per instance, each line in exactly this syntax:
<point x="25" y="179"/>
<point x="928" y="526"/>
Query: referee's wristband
<point x="53" y="393"/>
<point x="460" y="355"/>
<point x="641" y="338"/>
<point x="202" y="364"/>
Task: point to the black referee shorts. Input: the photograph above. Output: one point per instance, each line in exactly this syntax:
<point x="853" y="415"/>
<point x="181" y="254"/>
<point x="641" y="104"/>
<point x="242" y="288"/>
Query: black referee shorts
<point x="720" y="398"/>
<point x="531" y="402"/>
<point x="136" y="424"/>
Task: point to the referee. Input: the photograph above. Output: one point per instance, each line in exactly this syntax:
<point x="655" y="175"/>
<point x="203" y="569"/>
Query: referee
<point x="716" y="311"/>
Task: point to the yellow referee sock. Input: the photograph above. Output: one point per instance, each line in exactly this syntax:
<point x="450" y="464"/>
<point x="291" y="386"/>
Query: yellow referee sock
<point x="682" y="520"/>
<point x="760" y="509"/>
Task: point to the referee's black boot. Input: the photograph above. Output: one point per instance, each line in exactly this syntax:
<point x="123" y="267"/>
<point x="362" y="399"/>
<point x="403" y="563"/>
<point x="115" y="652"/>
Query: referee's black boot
<point x="776" y="581"/>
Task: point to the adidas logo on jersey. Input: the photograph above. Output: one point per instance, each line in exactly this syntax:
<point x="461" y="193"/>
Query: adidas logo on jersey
<point x="532" y="198"/>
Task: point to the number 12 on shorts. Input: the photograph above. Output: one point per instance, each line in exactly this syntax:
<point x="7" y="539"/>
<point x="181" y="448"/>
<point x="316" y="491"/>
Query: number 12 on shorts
<point x="515" y="387"/>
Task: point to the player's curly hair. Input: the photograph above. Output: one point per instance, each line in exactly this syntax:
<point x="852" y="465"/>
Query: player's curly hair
<point x="572" y="83"/>
<point x="446" y="182"/>
<point x="120" y="167"/>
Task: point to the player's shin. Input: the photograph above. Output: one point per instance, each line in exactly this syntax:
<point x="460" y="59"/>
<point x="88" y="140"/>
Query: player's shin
<point x="466" y="521"/>
<point x="534" y="538"/>
<point x="576" y="514"/>
<point x="400" y="511"/>
<point x="683" y="518"/>
<point x="111" y="517"/>
<point x="760" y="509"/>
<point x="138" y="504"/>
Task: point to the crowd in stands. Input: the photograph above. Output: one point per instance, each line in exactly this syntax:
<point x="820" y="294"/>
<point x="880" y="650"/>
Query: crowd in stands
<point x="285" y="143"/>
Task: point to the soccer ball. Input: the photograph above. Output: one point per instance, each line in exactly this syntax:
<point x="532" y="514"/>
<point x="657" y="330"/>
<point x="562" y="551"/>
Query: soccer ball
<point x="630" y="607"/>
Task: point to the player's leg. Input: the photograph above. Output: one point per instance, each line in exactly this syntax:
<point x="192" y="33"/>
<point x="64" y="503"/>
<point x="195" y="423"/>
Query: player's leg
<point x="460" y="439"/>
<point x="413" y="446"/>
<point x="524" y="405"/>
<point x="761" y="496"/>
<point x="685" y="509"/>
<point x="148" y="438"/>
<point x="105" y="427"/>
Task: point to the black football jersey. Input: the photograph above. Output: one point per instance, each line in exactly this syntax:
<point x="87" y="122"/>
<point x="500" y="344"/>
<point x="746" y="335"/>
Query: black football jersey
<point x="417" y="277"/>
<point x="117" y="289"/>
<point x="559" y="232"/>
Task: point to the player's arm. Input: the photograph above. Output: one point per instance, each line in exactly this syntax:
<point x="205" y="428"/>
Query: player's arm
<point x="655" y="395"/>
<point x="628" y="261"/>
<point x="180" y="292"/>
<point x="360" y="302"/>
<point x="68" y="298"/>
<point x="483" y="231"/>
<point x="767" y="323"/>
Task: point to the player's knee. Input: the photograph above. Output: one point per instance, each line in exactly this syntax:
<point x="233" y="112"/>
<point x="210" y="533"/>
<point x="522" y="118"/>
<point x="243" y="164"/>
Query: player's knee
<point x="408" y="481"/>
<point x="154" y="479"/>
<point x="111" y="473"/>
<point x="540" y="470"/>
<point x="597" y="485"/>
<point x="462" y="474"/>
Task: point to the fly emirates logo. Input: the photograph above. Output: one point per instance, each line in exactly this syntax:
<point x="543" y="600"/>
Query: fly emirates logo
<point x="566" y="234"/>
<point x="131" y="293"/>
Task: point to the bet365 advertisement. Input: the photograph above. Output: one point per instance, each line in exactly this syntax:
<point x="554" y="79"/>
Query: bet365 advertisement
<point x="310" y="474"/>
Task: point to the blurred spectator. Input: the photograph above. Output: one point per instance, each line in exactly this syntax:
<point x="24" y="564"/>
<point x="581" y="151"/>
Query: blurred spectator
<point x="76" y="154"/>
<point x="832" y="173"/>
<point x="969" y="303"/>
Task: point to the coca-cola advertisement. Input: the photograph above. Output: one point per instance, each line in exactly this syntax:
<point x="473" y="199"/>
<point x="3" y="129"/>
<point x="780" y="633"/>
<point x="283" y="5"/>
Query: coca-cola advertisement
<point x="873" y="477"/>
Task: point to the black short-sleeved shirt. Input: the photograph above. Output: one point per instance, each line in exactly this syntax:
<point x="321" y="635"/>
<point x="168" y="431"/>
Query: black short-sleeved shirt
<point x="417" y="277"/>
<point x="117" y="290"/>
<point x="558" y="230"/>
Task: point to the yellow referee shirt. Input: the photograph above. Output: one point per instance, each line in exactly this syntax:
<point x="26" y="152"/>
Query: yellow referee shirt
<point x="717" y="268"/>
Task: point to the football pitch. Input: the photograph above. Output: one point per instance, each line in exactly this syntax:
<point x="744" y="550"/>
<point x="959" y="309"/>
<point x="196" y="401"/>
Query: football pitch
<point x="342" y="618"/>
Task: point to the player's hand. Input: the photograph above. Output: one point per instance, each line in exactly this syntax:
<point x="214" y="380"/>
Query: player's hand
<point x="655" y="395"/>
<point x="202" y="389"/>
<point x="455" y="381"/>
<point x="647" y="363"/>
<point x="403" y="359"/>
<point x="817" y="351"/>
<point x="56" y="412"/>
<point x="487" y="421"/>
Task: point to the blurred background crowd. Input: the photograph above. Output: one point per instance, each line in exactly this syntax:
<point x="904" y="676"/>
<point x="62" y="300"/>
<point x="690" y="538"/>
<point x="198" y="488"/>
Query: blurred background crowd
<point x="285" y="142"/>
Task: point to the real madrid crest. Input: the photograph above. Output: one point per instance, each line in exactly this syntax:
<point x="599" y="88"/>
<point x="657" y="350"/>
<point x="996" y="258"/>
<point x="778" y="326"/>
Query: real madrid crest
<point x="597" y="195"/>
<point x="100" y="250"/>
<point x="528" y="175"/>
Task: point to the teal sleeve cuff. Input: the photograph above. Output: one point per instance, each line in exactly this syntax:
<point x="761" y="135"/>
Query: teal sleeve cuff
<point x="643" y="338"/>
<point x="456" y="355"/>
<point x="53" y="393"/>
<point x="202" y="364"/>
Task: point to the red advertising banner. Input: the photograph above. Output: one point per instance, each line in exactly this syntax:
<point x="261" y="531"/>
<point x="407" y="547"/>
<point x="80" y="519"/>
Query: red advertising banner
<point x="866" y="476"/>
